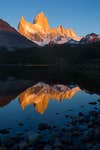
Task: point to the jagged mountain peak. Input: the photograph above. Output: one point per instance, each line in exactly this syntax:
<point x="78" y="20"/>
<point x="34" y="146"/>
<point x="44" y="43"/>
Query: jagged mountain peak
<point x="90" y="38"/>
<point x="42" y="20"/>
<point x="71" y="32"/>
<point x="41" y="14"/>
<point x="92" y="34"/>
<point x="40" y="28"/>
<point x="61" y="28"/>
<point x="22" y="18"/>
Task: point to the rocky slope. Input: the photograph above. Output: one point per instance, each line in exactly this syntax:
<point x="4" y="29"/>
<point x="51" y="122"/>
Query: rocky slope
<point x="11" y="39"/>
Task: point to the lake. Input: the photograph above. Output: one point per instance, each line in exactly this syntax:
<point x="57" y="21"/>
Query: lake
<point x="39" y="109"/>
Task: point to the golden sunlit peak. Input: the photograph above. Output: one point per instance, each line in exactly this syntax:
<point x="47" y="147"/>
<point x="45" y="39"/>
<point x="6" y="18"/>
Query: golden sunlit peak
<point x="41" y="14"/>
<point x="42" y="20"/>
<point x="22" y="18"/>
<point x="60" y="26"/>
<point x="70" y="30"/>
<point x="40" y="30"/>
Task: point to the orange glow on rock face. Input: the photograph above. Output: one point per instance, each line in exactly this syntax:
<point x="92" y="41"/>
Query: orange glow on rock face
<point x="41" y="94"/>
<point x="41" y="28"/>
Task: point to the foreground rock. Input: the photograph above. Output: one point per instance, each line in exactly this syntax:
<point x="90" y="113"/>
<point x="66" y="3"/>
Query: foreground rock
<point x="83" y="134"/>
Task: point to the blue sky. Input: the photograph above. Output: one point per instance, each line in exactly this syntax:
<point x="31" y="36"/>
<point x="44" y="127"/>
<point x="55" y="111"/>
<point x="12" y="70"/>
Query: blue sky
<point x="83" y="16"/>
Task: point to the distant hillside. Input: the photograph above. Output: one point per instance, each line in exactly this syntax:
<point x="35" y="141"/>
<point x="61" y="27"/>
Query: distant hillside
<point x="10" y="38"/>
<point x="58" y="55"/>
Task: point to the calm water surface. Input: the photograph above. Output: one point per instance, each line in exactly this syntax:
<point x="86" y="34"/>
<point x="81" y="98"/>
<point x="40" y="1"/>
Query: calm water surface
<point x="52" y="111"/>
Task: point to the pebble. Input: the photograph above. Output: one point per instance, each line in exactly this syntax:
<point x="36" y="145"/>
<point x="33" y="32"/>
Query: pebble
<point x="21" y="124"/>
<point x="92" y="103"/>
<point x="97" y="121"/>
<point x="32" y="137"/>
<point x="88" y="135"/>
<point x="96" y="147"/>
<point x="57" y="143"/>
<point x="81" y="114"/>
<point x="97" y="134"/>
<point x="47" y="147"/>
<point x="84" y="133"/>
<point x="4" y="131"/>
<point x="57" y="148"/>
<point x="94" y="113"/>
<point x="66" y="139"/>
<point x="22" y="145"/>
<point x="3" y="148"/>
<point x="43" y="126"/>
<point x="98" y="100"/>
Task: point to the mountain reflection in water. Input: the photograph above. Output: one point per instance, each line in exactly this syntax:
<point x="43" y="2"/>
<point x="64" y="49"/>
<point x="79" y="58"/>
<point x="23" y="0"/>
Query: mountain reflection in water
<point x="16" y="82"/>
<point x="41" y="93"/>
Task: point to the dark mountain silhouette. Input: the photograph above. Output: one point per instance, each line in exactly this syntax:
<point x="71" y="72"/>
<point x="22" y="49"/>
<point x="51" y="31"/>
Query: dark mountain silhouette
<point x="11" y="39"/>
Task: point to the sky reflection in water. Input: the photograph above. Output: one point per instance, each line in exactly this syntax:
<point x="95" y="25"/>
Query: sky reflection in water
<point x="49" y="105"/>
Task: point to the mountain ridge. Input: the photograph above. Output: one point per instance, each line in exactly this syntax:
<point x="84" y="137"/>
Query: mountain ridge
<point x="41" y="31"/>
<point x="37" y="36"/>
<point x="10" y="38"/>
